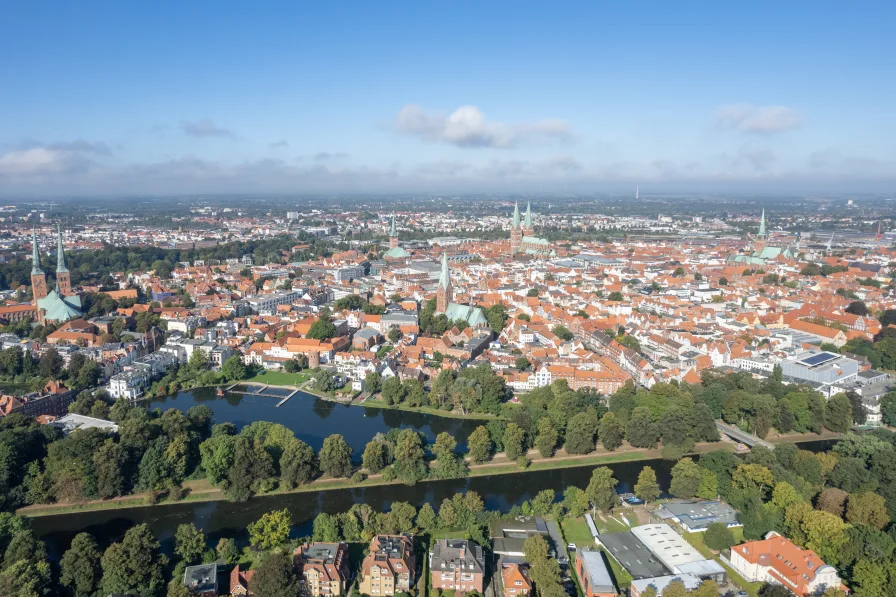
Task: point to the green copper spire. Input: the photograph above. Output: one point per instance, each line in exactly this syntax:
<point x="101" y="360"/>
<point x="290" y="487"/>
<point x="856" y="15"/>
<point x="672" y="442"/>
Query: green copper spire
<point x="35" y="255"/>
<point x="762" y="224"/>
<point x="445" y="277"/>
<point x="516" y="215"/>
<point x="528" y="219"/>
<point x="60" y="256"/>
<point x="392" y="229"/>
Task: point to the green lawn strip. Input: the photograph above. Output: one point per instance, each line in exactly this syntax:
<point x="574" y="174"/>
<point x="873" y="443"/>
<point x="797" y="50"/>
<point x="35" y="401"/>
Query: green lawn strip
<point x="620" y="575"/>
<point x="576" y="530"/>
<point x="278" y="378"/>
<point x="377" y="403"/>
<point x="551" y="464"/>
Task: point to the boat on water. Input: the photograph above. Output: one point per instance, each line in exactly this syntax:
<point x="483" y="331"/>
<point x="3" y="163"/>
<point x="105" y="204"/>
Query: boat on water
<point x="220" y="391"/>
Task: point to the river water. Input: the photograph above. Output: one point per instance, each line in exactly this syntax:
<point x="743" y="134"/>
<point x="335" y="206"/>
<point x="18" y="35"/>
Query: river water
<point x="312" y="420"/>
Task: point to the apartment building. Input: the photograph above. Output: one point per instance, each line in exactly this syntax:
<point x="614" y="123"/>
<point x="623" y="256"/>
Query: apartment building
<point x="390" y="567"/>
<point x="324" y="567"/>
<point x="457" y="565"/>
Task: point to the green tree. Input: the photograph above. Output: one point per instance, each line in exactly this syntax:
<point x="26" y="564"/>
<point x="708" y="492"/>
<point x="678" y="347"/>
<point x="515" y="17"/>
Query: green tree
<point x="561" y="332"/>
<point x="336" y="457"/>
<point x="612" y="431"/>
<point x="373" y="382"/>
<point x="275" y="576"/>
<point x="514" y="441"/>
<point x="575" y="501"/>
<point x="718" y="536"/>
<point x="326" y="528"/>
<point x="271" y="530"/>
<point x="110" y="461"/>
<point x="409" y="464"/>
<point x="426" y="517"/>
<point x="80" y="568"/>
<point x="641" y="431"/>
<point x="322" y="329"/>
<point x="580" y="433"/>
<point x="675" y="588"/>
<point x="26" y="579"/>
<point x="685" y="479"/>
<point x="298" y="465"/>
<point x="647" y="487"/>
<point x="135" y="566"/>
<point x="189" y="543"/>
<point x="868" y="509"/>
<point x="601" y="490"/>
<point x="546" y="440"/>
<point x="198" y="360"/>
<point x="480" y="445"/>
<point x="227" y="550"/>
<point x="393" y="392"/>
<point x="838" y="413"/>
<point x="234" y="369"/>
<point x="376" y="454"/>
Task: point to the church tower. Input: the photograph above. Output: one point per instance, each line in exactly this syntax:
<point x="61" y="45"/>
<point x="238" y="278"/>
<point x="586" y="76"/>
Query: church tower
<point x="393" y="237"/>
<point x="761" y="237"/>
<point x="38" y="277"/>
<point x="516" y="231"/>
<point x="63" y="277"/>
<point x="445" y="291"/>
<point x="528" y="228"/>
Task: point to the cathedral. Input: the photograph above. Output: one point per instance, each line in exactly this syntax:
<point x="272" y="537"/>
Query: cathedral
<point x="60" y="304"/>
<point x="761" y="253"/>
<point x="522" y="239"/>
<point x="474" y="316"/>
<point x="395" y="250"/>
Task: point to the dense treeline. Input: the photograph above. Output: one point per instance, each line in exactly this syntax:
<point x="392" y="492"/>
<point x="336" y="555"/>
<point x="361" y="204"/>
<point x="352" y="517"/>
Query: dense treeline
<point x="94" y="265"/>
<point x="838" y="503"/>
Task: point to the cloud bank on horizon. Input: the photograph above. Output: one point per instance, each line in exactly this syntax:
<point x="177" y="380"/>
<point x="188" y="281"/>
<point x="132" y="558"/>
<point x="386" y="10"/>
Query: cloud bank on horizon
<point x="567" y="99"/>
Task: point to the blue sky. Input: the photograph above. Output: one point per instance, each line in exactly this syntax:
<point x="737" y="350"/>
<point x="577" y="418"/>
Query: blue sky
<point x="362" y="96"/>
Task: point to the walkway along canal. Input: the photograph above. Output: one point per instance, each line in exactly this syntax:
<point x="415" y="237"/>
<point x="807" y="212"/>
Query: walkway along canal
<point x="222" y="518"/>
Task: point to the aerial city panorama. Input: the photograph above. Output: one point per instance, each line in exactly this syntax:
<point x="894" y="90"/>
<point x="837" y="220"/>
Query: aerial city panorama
<point x="479" y="299"/>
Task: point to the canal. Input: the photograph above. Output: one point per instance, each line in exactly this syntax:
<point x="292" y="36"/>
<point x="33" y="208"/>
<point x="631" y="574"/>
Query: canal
<point x="312" y="420"/>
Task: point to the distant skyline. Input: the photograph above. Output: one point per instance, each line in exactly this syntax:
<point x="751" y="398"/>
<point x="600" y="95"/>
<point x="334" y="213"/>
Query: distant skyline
<point x="201" y="97"/>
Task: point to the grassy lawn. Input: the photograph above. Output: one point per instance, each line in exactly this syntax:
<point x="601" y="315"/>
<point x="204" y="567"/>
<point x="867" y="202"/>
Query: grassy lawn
<point x="279" y="378"/>
<point x="576" y="531"/>
<point x="377" y="403"/>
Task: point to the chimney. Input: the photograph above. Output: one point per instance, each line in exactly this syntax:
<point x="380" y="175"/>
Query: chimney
<point x="463" y="552"/>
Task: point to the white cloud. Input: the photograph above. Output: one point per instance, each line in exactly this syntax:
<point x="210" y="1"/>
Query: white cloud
<point x="757" y="119"/>
<point x="468" y="127"/>
<point x="279" y="144"/>
<point x="323" y="156"/>
<point x="205" y="128"/>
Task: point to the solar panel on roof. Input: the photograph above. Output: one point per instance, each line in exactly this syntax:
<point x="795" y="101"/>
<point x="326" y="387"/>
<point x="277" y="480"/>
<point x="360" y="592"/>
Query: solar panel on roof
<point x="818" y="359"/>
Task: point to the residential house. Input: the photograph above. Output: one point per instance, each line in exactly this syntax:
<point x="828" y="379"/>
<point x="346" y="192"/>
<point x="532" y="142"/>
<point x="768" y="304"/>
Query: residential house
<point x="516" y="580"/>
<point x="390" y="566"/>
<point x="593" y="574"/>
<point x="324" y="567"/>
<point x="457" y="565"/>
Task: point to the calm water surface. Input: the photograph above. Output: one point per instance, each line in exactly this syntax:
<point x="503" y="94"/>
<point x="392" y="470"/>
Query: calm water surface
<point x="312" y="420"/>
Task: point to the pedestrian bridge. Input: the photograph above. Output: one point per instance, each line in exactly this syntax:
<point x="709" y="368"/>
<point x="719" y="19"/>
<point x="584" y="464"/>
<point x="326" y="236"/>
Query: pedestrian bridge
<point x="742" y="436"/>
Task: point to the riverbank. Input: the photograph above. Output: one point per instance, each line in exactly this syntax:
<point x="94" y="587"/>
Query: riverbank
<point x="425" y="410"/>
<point x="202" y="491"/>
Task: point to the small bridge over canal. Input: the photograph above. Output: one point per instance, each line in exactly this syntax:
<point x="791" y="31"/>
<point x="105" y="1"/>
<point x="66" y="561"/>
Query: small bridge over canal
<point x="742" y="436"/>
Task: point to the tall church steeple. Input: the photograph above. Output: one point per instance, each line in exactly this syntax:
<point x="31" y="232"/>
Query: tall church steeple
<point x="38" y="277"/>
<point x="762" y="224"/>
<point x="393" y="236"/>
<point x="445" y="291"/>
<point x="63" y="277"/>
<point x="527" y="221"/>
<point x="516" y="231"/>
